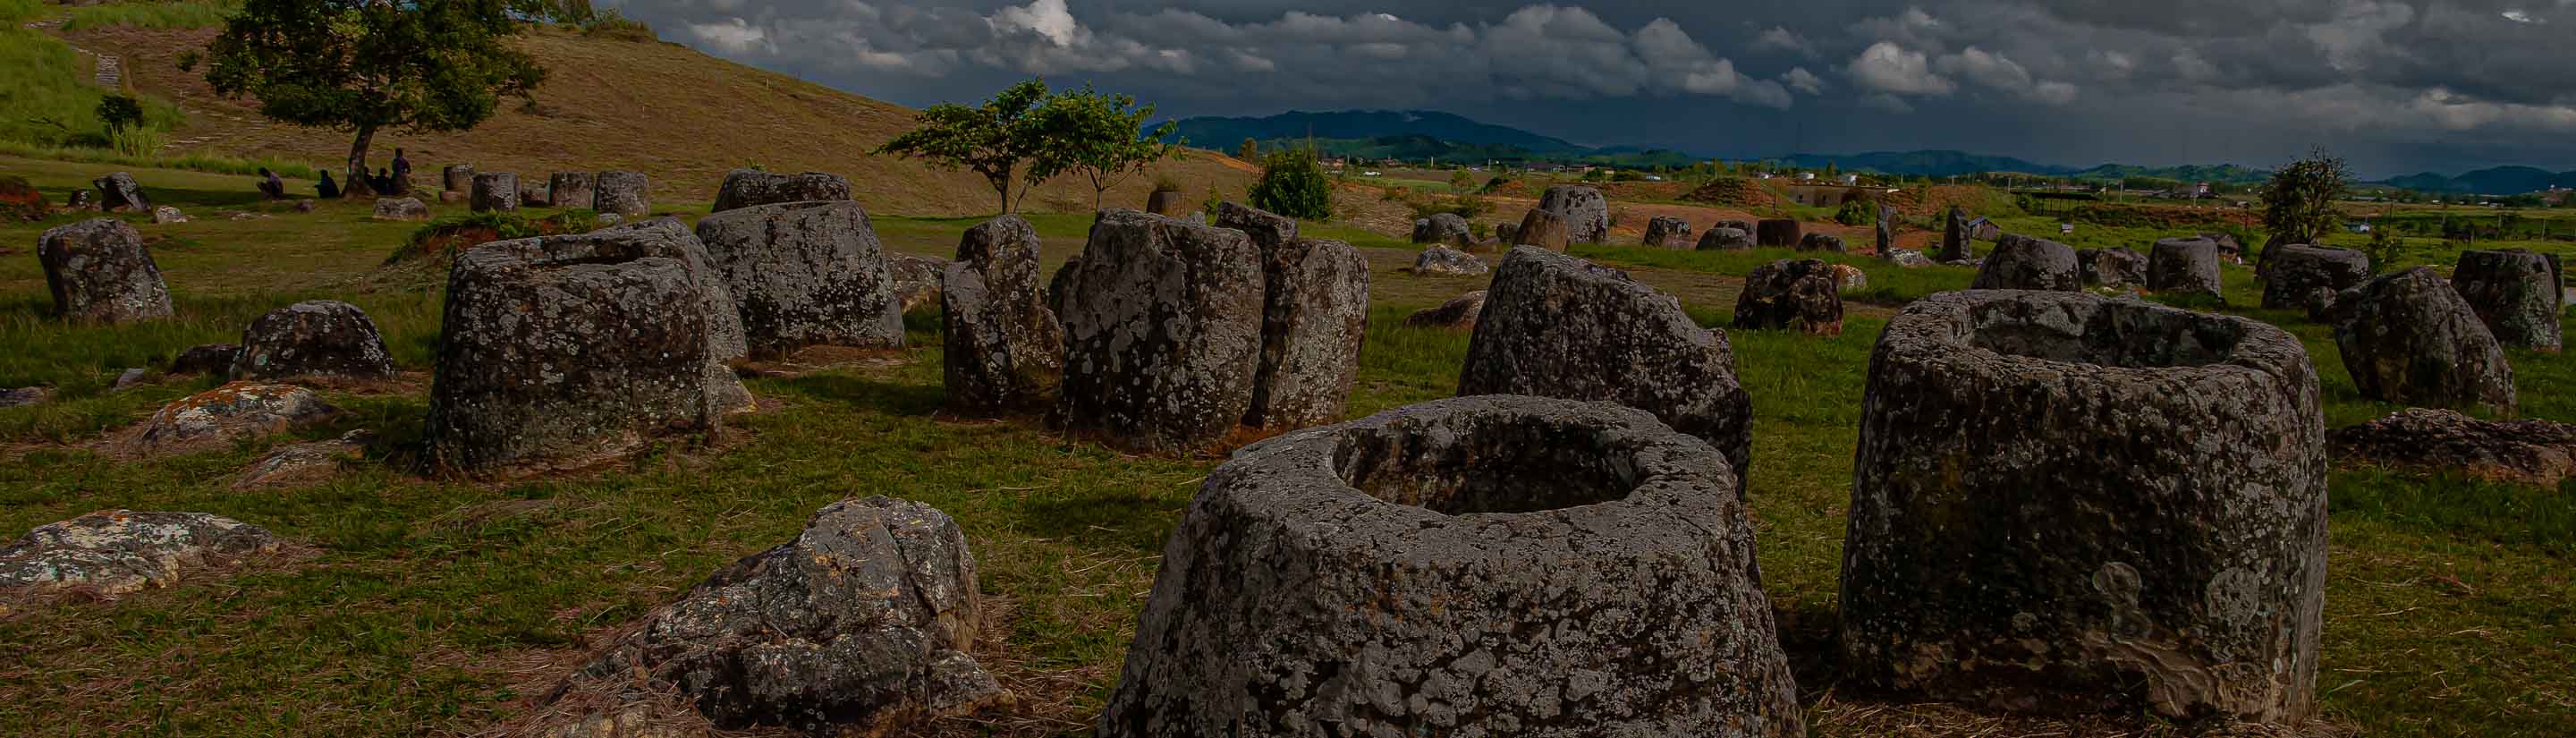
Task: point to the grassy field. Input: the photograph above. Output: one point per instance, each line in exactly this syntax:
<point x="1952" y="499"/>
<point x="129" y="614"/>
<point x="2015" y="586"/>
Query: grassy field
<point x="438" y="608"/>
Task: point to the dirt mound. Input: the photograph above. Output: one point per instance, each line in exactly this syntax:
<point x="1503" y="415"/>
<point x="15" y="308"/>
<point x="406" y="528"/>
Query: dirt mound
<point x="1730" y="192"/>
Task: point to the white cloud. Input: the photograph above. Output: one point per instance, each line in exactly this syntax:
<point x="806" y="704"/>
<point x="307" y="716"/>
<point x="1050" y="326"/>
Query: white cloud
<point x="1784" y="40"/>
<point x="1800" y="79"/>
<point x="2054" y="93"/>
<point x="1047" y="18"/>
<point x="731" y="35"/>
<point x="1888" y="68"/>
<point x="1886" y="103"/>
<point x="1991" y="70"/>
<point x="2358" y="31"/>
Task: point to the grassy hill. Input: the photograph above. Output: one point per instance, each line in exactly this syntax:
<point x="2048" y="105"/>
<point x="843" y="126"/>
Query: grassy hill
<point x="610" y="103"/>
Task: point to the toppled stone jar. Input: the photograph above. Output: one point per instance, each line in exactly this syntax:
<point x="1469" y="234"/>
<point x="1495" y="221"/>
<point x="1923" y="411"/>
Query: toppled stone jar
<point x="1481" y="566"/>
<point x="2071" y="504"/>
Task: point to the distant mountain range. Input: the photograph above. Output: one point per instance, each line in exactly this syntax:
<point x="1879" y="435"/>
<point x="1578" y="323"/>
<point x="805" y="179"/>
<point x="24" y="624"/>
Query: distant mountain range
<point x="1419" y="135"/>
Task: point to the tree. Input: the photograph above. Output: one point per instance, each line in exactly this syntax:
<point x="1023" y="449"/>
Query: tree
<point x="367" y="65"/>
<point x="992" y="139"/>
<point x="1097" y="136"/>
<point x="1249" y="151"/>
<point x="1460" y="180"/>
<point x="1292" y="184"/>
<point x="2298" y="204"/>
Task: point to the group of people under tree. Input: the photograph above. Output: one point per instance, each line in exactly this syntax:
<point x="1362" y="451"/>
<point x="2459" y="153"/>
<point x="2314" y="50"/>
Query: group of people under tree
<point x="394" y="181"/>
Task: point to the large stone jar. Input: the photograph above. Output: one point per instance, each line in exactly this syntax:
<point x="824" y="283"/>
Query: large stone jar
<point x="2066" y="503"/>
<point x="1482" y="566"/>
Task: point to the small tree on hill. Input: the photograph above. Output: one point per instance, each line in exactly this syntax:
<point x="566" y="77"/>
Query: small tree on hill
<point x="1249" y="151"/>
<point x="1097" y="135"/>
<point x="2299" y="202"/>
<point x="992" y="139"/>
<point x="1292" y="183"/>
<point x="367" y="65"/>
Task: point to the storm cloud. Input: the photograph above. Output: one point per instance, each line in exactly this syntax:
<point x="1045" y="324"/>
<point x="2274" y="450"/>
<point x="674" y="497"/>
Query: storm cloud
<point x="2397" y="86"/>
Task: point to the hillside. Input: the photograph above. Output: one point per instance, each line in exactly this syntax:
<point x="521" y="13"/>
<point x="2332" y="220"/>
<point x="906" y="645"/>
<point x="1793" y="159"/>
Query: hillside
<point x="1923" y="163"/>
<point x="2493" y="181"/>
<point x="659" y="108"/>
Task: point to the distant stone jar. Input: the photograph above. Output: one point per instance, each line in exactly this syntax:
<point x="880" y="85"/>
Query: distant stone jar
<point x="1163" y="333"/>
<point x="99" y="270"/>
<point x="2069" y="504"/>
<point x="2184" y="266"/>
<point x="1545" y="229"/>
<point x="2519" y="294"/>
<point x="2024" y="263"/>
<point x="1454" y="568"/>
<point x="495" y="192"/>
<point x="621" y="193"/>
<point x="2409" y="338"/>
<point x="2300" y="277"/>
<point x="745" y="188"/>
<point x="1586" y="211"/>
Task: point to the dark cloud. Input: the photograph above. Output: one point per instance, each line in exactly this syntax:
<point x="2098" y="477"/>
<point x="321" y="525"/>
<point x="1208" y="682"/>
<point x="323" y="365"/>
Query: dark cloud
<point x="2395" y="85"/>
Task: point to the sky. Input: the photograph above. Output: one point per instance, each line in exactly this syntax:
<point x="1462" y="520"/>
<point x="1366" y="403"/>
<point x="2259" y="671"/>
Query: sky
<point x="2395" y="87"/>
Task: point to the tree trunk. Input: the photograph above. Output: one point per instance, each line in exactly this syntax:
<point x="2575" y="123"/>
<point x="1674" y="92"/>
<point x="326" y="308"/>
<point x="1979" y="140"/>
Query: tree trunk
<point x="357" y="186"/>
<point x="1003" y="186"/>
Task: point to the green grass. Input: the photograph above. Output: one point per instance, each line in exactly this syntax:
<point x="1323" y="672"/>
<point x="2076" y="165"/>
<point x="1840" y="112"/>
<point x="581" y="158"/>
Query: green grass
<point x="1889" y="285"/>
<point x="49" y="100"/>
<point x="185" y="14"/>
<point x="2450" y="610"/>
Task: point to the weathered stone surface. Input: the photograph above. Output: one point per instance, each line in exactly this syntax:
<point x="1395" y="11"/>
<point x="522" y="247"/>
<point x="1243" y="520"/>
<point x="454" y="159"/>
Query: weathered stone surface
<point x="571" y="190"/>
<point x="2228" y="247"/>
<point x="1004" y="350"/>
<point x="318" y="338"/>
<point x="2184" y="266"/>
<point x="917" y="279"/>
<point x="165" y="215"/>
<point x="805" y="273"/>
<point x="1777" y="233"/>
<point x="745" y="188"/>
<point x="1459" y="313"/>
<point x="1669" y="233"/>
<point x="212" y="358"/>
<point x="451" y="197"/>
<point x="131" y="377"/>
<point x="1545" y="229"/>
<point x="494" y="192"/>
<point x="1167" y="203"/>
<point x="1726" y="239"/>
<point x="99" y="270"/>
<point x="1268" y="230"/>
<point x="1912" y="259"/>
<point x="1442" y="261"/>
<point x="457" y="178"/>
<point x="1791" y="293"/>
<point x="564" y="351"/>
<point x="401" y="208"/>
<point x="536" y="194"/>
<point x="117" y="552"/>
<point x="1446" y="229"/>
<point x="2307" y="277"/>
<point x="1954" y="238"/>
<point x="119" y="193"/>
<point x="307" y="206"/>
<point x="1822" y="242"/>
<point x="1586" y="213"/>
<point x="2518" y="294"/>
<point x="2409" y="338"/>
<point x="1558" y="326"/>
<point x="1507" y="235"/>
<point x="1483" y="566"/>
<point x="1163" y="333"/>
<point x="234" y="412"/>
<point x="2066" y="503"/>
<point x="1314" y="318"/>
<point x="1850" y="278"/>
<point x="2114" y="267"/>
<point x="24" y="396"/>
<point x="2023" y="263"/>
<point x="621" y="193"/>
<point x="303" y="464"/>
<point x="81" y="200"/>
<point x="2538" y="452"/>
<point x="1885" y="231"/>
<point x="862" y="621"/>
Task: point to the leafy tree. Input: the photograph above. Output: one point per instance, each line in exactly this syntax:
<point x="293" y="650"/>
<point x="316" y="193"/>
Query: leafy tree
<point x="2385" y="248"/>
<point x="367" y="65"/>
<point x="992" y="139"/>
<point x="2298" y="204"/>
<point x="1292" y="183"/>
<point x="1460" y="180"/>
<point x="1095" y="135"/>
<point x="1249" y="151"/>
<point x="119" y="112"/>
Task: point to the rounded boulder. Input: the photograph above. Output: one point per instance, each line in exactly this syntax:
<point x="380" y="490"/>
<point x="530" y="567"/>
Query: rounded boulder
<point x="2517" y="293"/>
<point x="99" y="270"/>
<point x="2409" y="338"/>
<point x="2023" y="263"/>
<point x="315" y="338"/>
<point x="805" y="274"/>
<point x="2184" y="266"/>
<point x="745" y="188"/>
<point x="1586" y="212"/>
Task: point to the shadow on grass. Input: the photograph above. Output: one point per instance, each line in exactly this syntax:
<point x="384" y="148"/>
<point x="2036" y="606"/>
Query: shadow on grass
<point x="908" y="400"/>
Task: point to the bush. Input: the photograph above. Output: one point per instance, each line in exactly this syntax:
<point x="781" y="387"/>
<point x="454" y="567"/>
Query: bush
<point x="1165" y="183"/>
<point x="1857" y="213"/>
<point x="1293" y="184"/>
<point x="1461" y="206"/>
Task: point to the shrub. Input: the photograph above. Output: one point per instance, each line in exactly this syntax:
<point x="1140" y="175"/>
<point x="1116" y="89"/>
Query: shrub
<point x="1166" y="183"/>
<point x="1293" y="184"/>
<point x="1459" y="205"/>
<point x="1857" y="213"/>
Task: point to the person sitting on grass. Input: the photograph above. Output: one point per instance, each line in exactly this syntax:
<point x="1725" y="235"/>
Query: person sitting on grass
<point x="270" y="185"/>
<point x="328" y="189"/>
